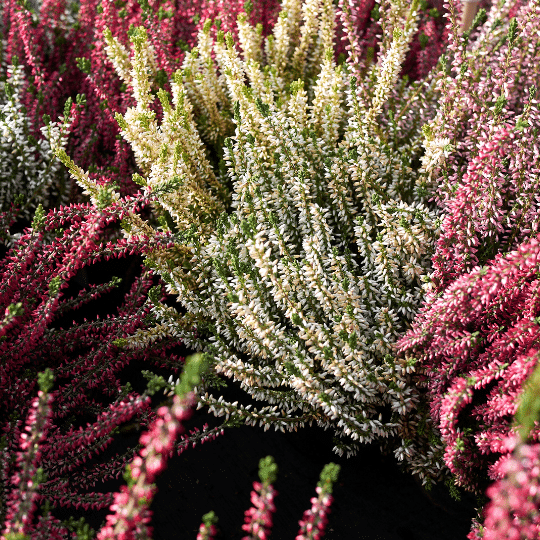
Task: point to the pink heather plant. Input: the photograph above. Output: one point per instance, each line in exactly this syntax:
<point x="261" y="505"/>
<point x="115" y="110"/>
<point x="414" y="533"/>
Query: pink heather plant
<point x="258" y="518"/>
<point x="363" y="23"/>
<point x="315" y="520"/>
<point x="131" y="514"/>
<point x="208" y="529"/>
<point x="475" y="345"/>
<point x="513" y="512"/>
<point x="474" y="334"/>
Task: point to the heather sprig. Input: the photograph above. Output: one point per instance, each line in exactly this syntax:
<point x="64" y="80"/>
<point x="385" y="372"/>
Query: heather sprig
<point x="314" y="521"/>
<point x="208" y="529"/>
<point x="131" y="515"/>
<point x="258" y="518"/>
<point x="21" y="502"/>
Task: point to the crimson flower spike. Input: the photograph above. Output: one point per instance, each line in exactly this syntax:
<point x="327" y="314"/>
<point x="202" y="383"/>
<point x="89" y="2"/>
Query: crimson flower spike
<point x="470" y="7"/>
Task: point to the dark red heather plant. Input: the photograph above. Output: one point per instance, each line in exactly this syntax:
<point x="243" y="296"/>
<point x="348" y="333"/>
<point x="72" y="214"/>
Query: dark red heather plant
<point x="89" y="402"/>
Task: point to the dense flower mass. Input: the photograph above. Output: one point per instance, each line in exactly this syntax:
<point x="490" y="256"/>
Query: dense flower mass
<point x="341" y="196"/>
<point x="307" y="284"/>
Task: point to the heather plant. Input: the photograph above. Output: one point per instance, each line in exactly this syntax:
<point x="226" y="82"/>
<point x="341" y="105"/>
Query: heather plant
<point x="90" y="402"/>
<point x="364" y="23"/>
<point x="300" y="289"/>
<point x="60" y="46"/>
<point x="476" y="336"/>
<point x="30" y="174"/>
<point x="512" y="510"/>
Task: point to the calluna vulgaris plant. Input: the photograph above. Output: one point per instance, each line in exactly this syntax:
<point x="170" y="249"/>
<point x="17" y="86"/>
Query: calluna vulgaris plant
<point x="483" y="334"/>
<point x="513" y="508"/>
<point x="477" y="336"/>
<point x="61" y="50"/>
<point x="306" y="285"/>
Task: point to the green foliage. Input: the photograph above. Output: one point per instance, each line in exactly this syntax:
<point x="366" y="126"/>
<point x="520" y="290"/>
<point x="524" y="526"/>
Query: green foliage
<point x="84" y="64"/>
<point x="45" y="380"/>
<point x="268" y="470"/>
<point x="329" y="476"/>
<point x="82" y="530"/>
<point x="210" y="519"/>
<point x="15" y="310"/>
<point x="195" y="365"/>
<point x="39" y="218"/>
<point x="528" y="412"/>
<point x="155" y="382"/>
<point x="54" y="286"/>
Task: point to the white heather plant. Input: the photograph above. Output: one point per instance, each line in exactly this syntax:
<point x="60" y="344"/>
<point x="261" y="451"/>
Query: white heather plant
<point x="30" y="174"/>
<point x="300" y="290"/>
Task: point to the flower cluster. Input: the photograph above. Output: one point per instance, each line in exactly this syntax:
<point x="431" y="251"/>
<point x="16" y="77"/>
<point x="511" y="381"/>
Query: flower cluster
<point x="258" y="518"/>
<point x="21" y="503"/>
<point x="314" y="520"/>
